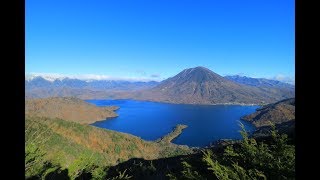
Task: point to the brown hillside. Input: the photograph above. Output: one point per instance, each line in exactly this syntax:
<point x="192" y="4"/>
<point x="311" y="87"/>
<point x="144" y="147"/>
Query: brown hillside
<point x="277" y="113"/>
<point x="70" y="109"/>
<point x="73" y="145"/>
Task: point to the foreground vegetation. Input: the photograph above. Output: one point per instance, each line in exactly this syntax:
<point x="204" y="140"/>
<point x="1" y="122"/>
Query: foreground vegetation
<point x="55" y="147"/>
<point x="249" y="159"/>
<point x="269" y="158"/>
<point x="58" y="149"/>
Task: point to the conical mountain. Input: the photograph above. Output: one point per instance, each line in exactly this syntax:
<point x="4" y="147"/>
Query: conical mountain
<point x="200" y="85"/>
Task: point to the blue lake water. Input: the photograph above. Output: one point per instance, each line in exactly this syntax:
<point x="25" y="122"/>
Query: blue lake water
<point x="152" y="120"/>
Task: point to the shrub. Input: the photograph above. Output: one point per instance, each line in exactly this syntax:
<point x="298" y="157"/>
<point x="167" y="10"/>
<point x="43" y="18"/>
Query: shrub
<point x="249" y="159"/>
<point x="117" y="149"/>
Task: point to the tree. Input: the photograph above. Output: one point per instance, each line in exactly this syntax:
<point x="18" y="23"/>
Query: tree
<point x="249" y="159"/>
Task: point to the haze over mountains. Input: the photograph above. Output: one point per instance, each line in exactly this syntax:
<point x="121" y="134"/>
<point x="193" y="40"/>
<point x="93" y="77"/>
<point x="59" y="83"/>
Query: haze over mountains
<point x="197" y="85"/>
<point x="259" y="82"/>
<point x="40" y="82"/>
<point x="39" y="87"/>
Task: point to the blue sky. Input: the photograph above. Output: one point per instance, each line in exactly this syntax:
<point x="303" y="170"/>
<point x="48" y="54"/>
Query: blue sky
<point x="157" y="39"/>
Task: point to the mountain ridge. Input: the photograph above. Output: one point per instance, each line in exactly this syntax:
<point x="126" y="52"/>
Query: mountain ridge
<point x="40" y="82"/>
<point x="259" y="82"/>
<point x="200" y="85"/>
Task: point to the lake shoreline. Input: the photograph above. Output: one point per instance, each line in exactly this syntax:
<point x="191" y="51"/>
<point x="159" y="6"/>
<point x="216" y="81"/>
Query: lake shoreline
<point x="151" y="121"/>
<point x="165" y="102"/>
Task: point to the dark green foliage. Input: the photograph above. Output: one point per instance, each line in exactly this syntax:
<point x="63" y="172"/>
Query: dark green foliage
<point x="249" y="159"/>
<point x="188" y="172"/>
<point x="122" y="175"/>
<point x="99" y="173"/>
<point x="58" y="174"/>
<point x="38" y="168"/>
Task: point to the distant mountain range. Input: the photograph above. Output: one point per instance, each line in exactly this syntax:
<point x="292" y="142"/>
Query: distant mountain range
<point x="197" y="85"/>
<point x="40" y="82"/>
<point x="200" y="85"/>
<point x="259" y="82"/>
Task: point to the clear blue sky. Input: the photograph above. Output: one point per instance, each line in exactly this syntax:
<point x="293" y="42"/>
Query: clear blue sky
<point x="125" y="38"/>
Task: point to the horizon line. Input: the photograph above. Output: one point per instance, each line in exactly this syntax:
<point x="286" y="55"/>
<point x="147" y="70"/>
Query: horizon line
<point x="99" y="77"/>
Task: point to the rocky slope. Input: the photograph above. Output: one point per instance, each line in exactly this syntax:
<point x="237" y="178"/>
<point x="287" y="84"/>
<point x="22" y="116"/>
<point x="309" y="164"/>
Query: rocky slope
<point x="71" y="109"/>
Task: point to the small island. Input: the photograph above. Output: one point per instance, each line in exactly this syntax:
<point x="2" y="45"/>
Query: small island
<point x="172" y="135"/>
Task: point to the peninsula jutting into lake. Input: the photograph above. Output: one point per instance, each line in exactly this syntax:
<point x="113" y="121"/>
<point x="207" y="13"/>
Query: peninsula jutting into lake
<point x="151" y="120"/>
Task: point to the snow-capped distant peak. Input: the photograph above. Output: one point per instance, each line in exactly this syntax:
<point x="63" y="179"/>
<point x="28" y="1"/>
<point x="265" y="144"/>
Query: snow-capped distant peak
<point x="48" y="77"/>
<point x="84" y="77"/>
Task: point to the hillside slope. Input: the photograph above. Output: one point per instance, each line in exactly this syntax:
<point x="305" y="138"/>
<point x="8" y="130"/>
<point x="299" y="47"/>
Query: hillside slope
<point x="278" y="113"/>
<point x="74" y="146"/>
<point x="71" y="109"/>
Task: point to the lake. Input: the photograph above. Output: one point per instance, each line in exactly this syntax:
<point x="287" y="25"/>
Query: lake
<point x="152" y="120"/>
